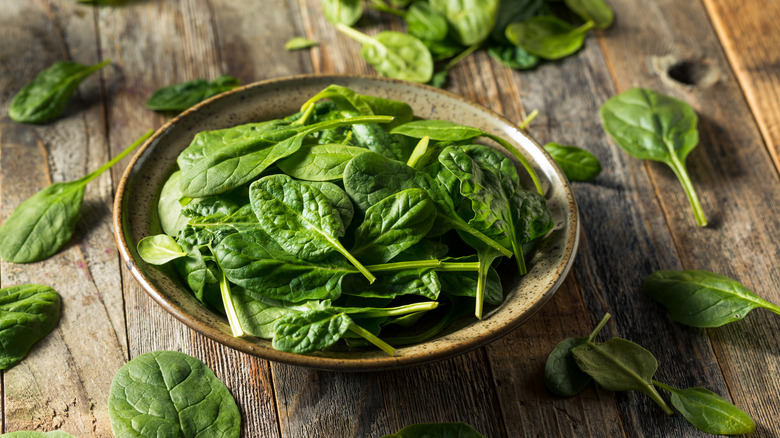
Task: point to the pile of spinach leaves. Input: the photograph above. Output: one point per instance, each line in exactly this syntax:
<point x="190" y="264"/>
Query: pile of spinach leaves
<point x="346" y="220"/>
<point x="518" y="33"/>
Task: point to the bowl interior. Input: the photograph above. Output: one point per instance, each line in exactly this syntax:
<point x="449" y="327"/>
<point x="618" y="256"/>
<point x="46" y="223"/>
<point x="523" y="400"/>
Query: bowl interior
<point x="135" y="216"/>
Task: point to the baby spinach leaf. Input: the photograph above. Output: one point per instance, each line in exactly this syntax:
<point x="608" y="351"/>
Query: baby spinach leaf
<point x="299" y="43"/>
<point x="344" y="98"/>
<point x="442" y="130"/>
<point x="597" y="11"/>
<point x="322" y="162"/>
<point x="466" y="284"/>
<point x="258" y="314"/>
<point x="394" y="54"/>
<point x="167" y="393"/>
<point x="345" y="12"/>
<point x="338" y="197"/>
<point x="372" y="137"/>
<point x="36" y="434"/>
<point x="513" y="56"/>
<point x="652" y="126"/>
<point x="310" y="331"/>
<point x="471" y="20"/>
<point x="159" y="249"/>
<point x="438" y="430"/>
<point x="45" y="96"/>
<point x="251" y="259"/>
<point x="218" y="161"/>
<point x="576" y="163"/>
<point x="547" y="36"/>
<point x="620" y="365"/>
<point x="710" y="412"/>
<point x="514" y="11"/>
<point x="425" y="23"/>
<point x="169" y="209"/>
<point x="300" y="218"/>
<point x="28" y="312"/>
<point x="394" y="224"/>
<point x="370" y="177"/>
<point x="179" y="97"/>
<point x="703" y="298"/>
<point x="43" y="223"/>
<point x="562" y="376"/>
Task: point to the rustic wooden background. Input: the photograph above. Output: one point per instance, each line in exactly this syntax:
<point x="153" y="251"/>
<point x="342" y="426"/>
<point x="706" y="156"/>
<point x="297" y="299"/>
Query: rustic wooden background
<point x="720" y="55"/>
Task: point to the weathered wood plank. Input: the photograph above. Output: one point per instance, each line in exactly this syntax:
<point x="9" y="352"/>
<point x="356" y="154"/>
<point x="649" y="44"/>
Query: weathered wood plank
<point x="727" y="168"/>
<point x="58" y="385"/>
<point x="749" y="35"/>
<point x="161" y="43"/>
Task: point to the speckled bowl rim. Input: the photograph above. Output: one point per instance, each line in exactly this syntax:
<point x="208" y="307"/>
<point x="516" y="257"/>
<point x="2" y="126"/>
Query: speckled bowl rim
<point x="257" y="348"/>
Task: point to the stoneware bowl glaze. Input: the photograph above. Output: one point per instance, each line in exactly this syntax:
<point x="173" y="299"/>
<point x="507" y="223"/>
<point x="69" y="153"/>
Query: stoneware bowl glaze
<point x="135" y="216"/>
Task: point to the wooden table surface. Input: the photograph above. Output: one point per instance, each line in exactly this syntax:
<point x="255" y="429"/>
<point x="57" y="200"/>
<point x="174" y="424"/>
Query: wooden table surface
<point x="721" y="56"/>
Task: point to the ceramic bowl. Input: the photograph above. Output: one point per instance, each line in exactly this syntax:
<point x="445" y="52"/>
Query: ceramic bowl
<point x="135" y="216"/>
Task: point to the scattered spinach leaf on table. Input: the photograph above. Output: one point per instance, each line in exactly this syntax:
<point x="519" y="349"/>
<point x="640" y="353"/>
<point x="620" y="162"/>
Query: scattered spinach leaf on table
<point x="425" y="23"/>
<point x="709" y="412"/>
<point x="652" y="126"/>
<point x="703" y="298"/>
<point x="179" y="97"/>
<point x="576" y="163"/>
<point x="27" y="313"/>
<point x="43" y="223"/>
<point x="299" y="43"/>
<point x="471" y="20"/>
<point x="45" y="96"/>
<point x="597" y="11"/>
<point x="394" y="54"/>
<point x="345" y="12"/>
<point x="168" y="393"/>
<point x="562" y="376"/>
<point x="547" y="36"/>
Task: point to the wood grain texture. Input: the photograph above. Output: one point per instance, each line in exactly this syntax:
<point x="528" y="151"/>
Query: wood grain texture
<point x="738" y="185"/>
<point x="85" y="272"/>
<point x="157" y="44"/>
<point x="749" y="35"/>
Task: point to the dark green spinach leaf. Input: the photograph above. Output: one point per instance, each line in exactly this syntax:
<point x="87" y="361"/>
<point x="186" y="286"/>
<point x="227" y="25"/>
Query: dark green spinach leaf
<point x="179" y="97"/>
<point x="576" y="163"/>
<point x="703" y="298"/>
<point x="652" y="126"/>
<point x="43" y="223"/>
<point x="547" y="36"/>
<point x="168" y="393"/>
<point x="322" y="162"/>
<point x="513" y="56"/>
<point x="562" y="376"/>
<point x="45" y="96"/>
<point x="28" y="312"/>
<point x="620" y="365"/>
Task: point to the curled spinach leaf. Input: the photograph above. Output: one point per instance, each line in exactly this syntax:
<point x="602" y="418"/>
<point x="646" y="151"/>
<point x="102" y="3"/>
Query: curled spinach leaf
<point x="27" y="313"/>
<point x="45" y="96"/>
<point x="44" y="222"/>
<point x="547" y="36"/>
<point x="597" y="11"/>
<point x="471" y="20"/>
<point x="168" y="393"/>
<point x="703" y="298"/>
<point x="652" y="126"/>
<point x="179" y="97"/>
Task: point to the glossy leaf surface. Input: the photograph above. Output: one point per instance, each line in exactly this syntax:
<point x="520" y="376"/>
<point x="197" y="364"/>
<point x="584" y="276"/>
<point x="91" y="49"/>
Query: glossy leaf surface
<point x="27" y="313"/>
<point x="576" y="163"/>
<point x="471" y="20"/>
<point x="703" y="298"/>
<point x="168" y="393"/>
<point x="547" y="36"/>
<point x="710" y="412"/>
<point x="45" y="96"/>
